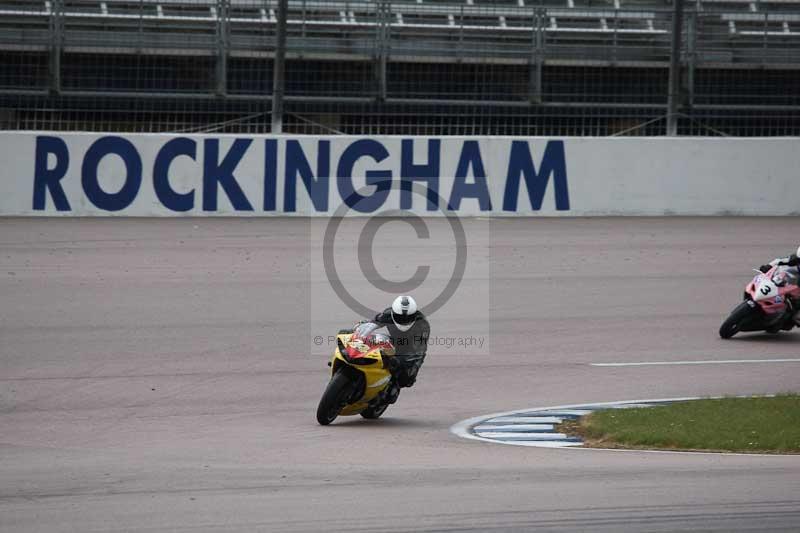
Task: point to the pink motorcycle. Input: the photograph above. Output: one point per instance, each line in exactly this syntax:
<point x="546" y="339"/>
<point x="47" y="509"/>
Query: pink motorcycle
<point x="771" y="303"/>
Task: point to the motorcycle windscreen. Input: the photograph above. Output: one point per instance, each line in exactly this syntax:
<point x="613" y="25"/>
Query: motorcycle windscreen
<point x="785" y="275"/>
<point x="365" y="340"/>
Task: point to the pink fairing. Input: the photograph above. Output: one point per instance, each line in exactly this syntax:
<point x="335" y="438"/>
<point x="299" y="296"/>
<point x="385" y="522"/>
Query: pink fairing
<point x="787" y="280"/>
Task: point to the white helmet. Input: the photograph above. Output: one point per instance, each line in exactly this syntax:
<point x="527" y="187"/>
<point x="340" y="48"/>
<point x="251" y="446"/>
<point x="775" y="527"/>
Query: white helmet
<point x="404" y="312"/>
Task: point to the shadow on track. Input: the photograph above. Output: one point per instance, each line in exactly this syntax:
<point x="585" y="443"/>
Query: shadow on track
<point x="772" y="338"/>
<point x="387" y="423"/>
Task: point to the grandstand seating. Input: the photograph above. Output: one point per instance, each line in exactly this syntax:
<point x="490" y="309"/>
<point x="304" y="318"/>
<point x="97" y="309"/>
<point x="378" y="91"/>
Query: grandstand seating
<point x="512" y="67"/>
<point x="490" y="51"/>
<point x="617" y="30"/>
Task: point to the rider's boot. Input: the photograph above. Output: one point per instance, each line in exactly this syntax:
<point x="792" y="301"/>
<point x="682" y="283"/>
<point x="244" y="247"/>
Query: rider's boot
<point x="392" y="392"/>
<point x="794" y="314"/>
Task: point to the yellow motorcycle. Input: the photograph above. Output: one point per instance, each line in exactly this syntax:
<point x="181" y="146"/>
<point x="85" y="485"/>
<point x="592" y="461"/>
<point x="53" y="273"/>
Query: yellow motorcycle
<point x="361" y="382"/>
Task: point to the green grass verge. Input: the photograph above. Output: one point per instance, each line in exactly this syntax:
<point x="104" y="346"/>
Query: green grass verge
<point x="757" y="424"/>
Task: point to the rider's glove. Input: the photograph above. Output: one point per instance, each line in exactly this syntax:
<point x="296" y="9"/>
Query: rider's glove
<point x="792" y="260"/>
<point x="383" y="318"/>
<point x="765" y="268"/>
<point x="390" y="363"/>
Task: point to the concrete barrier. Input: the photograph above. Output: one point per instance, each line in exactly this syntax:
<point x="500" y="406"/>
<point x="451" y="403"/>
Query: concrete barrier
<point x="82" y="174"/>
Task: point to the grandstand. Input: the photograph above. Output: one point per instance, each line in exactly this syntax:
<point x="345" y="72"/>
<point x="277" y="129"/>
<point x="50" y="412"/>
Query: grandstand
<point x="519" y="67"/>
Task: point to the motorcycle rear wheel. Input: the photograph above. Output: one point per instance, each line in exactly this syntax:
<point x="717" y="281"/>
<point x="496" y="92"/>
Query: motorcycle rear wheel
<point x="740" y="315"/>
<point x="335" y="397"/>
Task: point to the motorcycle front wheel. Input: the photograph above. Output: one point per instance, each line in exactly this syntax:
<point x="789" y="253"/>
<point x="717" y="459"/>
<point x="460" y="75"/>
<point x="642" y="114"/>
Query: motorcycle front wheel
<point x="739" y="317"/>
<point x="371" y="413"/>
<point x="335" y="397"/>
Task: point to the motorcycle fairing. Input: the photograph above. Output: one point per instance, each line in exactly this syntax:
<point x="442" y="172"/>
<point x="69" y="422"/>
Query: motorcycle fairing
<point x="361" y="351"/>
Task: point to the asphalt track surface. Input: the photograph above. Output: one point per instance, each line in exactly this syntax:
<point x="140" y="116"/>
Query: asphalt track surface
<point x="156" y="375"/>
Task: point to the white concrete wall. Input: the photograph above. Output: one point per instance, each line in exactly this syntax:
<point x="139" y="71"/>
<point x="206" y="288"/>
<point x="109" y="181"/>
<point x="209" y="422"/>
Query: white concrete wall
<point x="172" y="175"/>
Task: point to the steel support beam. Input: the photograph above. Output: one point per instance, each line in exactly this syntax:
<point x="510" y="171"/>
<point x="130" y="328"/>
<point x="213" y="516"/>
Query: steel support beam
<point x="56" y="29"/>
<point x="537" y="46"/>
<point x="223" y="40"/>
<point x="383" y="21"/>
<point x="691" y="51"/>
<point x="674" y="95"/>
<point x="279" y="68"/>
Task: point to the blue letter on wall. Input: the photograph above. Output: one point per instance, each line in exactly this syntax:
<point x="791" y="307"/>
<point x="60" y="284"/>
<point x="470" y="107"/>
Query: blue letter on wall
<point x="133" y="176"/>
<point x="380" y="178"/>
<point x="410" y="172"/>
<point x="296" y="163"/>
<point x="166" y="194"/>
<point x="270" y="173"/>
<point x="520" y="162"/>
<point x="215" y="172"/>
<point x="44" y="178"/>
<point x="470" y="157"/>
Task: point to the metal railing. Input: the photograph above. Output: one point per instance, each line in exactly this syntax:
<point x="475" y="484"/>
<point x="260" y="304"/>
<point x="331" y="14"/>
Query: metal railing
<point x="358" y="66"/>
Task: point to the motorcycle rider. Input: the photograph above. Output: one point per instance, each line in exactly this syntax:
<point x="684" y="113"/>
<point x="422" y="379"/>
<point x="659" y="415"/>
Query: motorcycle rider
<point x="792" y="260"/>
<point x="409" y="331"/>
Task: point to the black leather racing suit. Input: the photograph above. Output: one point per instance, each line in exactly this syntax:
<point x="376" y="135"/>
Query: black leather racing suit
<point x="793" y="318"/>
<point x="410" y="346"/>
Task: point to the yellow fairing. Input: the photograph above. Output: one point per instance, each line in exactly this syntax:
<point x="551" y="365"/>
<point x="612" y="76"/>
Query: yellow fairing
<point x="377" y="377"/>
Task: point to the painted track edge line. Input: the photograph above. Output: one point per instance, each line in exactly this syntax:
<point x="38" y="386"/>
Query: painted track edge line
<point x="461" y="429"/>
<point x="696" y="362"/>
